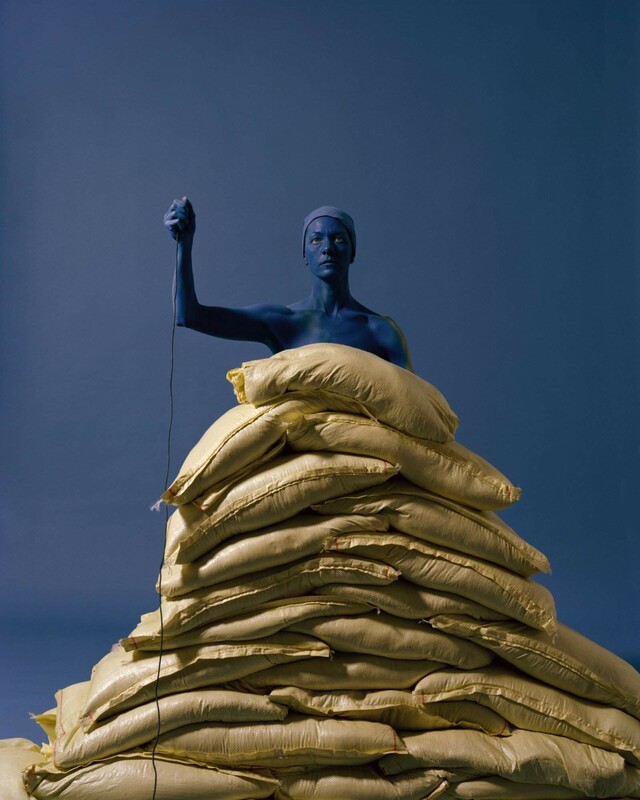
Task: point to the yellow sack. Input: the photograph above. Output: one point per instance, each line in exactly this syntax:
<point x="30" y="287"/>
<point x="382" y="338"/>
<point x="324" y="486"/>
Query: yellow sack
<point x="349" y="379"/>
<point x="446" y="570"/>
<point x="233" y="598"/>
<point x="501" y="789"/>
<point x="15" y="756"/>
<point x="73" y="746"/>
<point x="296" y="538"/>
<point x="240" y="438"/>
<point x="409" y="601"/>
<point x="290" y="742"/>
<point x="264" y="621"/>
<point x="344" y="672"/>
<point x="132" y="778"/>
<point x="382" y="635"/>
<point x="533" y="706"/>
<point x="356" y="783"/>
<point x="439" y="521"/>
<point x="568" y="661"/>
<point x="394" y="707"/>
<point x="446" y="469"/>
<point x="524" y="757"/>
<point x="123" y="680"/>
<point x="277" y="491"/>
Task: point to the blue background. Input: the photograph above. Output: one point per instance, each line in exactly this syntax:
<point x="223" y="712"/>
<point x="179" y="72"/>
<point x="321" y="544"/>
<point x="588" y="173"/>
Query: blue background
<point x="488" y="153"/>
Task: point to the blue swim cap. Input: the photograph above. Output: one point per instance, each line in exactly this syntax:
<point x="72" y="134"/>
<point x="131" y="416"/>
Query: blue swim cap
<point x="336" y="213"/>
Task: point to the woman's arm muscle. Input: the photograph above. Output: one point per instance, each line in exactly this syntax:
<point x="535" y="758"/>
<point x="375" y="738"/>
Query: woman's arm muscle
<point x="252" y="323"/>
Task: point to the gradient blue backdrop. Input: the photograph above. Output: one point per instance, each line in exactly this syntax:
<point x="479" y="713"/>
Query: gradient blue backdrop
<point x="488" y="153"/>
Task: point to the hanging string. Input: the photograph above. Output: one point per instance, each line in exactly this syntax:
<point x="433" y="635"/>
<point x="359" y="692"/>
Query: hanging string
<point x="166" y="520"/>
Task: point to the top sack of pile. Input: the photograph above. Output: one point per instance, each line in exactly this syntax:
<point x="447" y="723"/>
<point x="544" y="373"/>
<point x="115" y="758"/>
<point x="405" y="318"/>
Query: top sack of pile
<point x="353" y="380"/>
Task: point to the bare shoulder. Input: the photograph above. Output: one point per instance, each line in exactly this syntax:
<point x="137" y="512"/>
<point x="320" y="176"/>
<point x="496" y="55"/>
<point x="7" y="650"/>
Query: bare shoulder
<point x="271" y="311"/>
<point x="388" y="334"/>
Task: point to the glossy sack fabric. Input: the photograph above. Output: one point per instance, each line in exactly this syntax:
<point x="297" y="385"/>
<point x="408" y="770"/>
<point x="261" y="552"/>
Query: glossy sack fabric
<point x="344" y="615"/>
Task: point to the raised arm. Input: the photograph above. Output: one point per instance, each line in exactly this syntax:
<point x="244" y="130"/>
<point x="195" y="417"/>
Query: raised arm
<point x="253" y="323"/>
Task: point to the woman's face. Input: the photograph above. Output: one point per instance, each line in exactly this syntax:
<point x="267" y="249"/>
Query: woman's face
<point x="327" y="247"/>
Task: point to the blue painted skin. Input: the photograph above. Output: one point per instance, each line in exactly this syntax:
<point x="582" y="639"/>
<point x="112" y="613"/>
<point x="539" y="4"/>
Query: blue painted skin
<point x="328" y="314"/>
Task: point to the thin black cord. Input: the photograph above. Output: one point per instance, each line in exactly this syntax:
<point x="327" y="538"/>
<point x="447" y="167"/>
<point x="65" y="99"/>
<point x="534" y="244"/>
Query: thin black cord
<point x="166" y="520"/>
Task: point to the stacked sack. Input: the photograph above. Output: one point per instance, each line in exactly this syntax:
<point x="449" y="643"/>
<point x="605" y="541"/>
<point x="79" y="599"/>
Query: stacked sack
<point x="343" y="615"/>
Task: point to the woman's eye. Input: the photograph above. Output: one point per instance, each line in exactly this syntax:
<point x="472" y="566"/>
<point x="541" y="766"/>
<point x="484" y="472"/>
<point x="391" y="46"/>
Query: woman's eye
<point x="315" y="239"/>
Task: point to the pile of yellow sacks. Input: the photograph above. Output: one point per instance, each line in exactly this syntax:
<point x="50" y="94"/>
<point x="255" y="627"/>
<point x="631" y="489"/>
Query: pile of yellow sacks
<point x="343" y="617"/>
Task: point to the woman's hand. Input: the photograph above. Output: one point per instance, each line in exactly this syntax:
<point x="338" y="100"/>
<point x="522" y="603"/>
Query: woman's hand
<point x="180" y="220"/>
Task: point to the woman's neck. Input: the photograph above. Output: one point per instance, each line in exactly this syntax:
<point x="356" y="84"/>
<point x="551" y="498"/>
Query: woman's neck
<point x="330" y="298"/>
